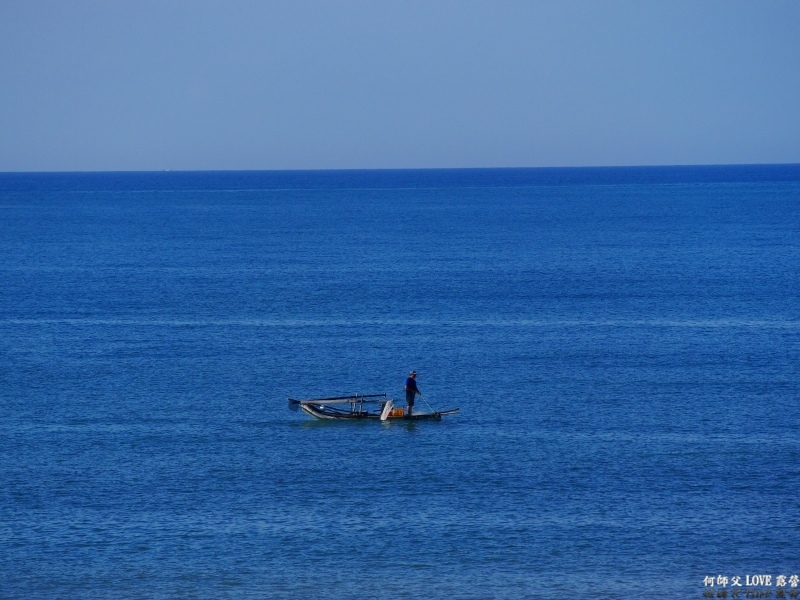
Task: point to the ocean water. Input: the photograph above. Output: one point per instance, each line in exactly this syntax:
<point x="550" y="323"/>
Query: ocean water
<point x="624" y="346"/>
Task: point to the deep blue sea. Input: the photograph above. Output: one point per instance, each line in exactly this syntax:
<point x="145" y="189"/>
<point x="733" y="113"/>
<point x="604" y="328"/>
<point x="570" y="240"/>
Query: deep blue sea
<point x="623" y="343"/>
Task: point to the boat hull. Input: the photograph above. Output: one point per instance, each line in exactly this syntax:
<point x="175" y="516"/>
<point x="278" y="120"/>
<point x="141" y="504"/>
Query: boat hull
<point x="331" y="413"/>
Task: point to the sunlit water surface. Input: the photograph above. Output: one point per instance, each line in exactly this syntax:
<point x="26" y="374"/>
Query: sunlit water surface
<point x="624" y="346"/>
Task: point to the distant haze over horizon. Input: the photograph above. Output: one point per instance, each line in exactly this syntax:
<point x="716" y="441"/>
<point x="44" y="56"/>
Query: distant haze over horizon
<point x="250" y="85"/>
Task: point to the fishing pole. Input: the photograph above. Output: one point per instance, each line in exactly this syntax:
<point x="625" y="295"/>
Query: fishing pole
<point x="426" y="403"/>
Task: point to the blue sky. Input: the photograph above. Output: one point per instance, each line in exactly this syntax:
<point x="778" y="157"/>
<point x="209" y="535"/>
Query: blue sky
<point x="167" y="84"/>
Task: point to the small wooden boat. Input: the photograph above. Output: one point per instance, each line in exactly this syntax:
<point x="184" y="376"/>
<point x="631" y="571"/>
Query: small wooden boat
<point x="362" y="406"/>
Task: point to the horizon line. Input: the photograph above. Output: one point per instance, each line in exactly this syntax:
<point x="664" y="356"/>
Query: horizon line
<point x="384" y="169"/>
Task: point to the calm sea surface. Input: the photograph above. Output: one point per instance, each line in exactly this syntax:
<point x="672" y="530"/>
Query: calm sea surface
<point x="624" y="345"/>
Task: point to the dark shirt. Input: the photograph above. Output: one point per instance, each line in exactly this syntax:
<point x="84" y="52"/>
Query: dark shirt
<point x="411" y="385"/>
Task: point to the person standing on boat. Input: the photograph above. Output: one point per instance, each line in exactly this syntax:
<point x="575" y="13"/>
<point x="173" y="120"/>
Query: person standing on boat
<point x="411" y="391"/>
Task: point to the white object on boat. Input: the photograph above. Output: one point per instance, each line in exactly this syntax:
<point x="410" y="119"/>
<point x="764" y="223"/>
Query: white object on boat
<point x="387" y="409"/>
